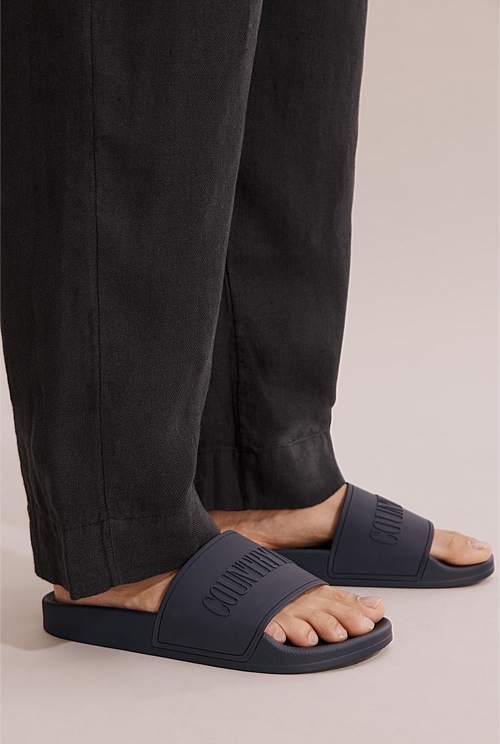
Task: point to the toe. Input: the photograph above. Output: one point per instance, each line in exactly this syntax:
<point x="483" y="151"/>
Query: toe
<point x="276" y="631"/>
<point x="327" y="626"/>
<point x="458" y="549"/>
<point x="372" y="607"/>
<point x="298" y="631"/>
<point x="354" y="621"/>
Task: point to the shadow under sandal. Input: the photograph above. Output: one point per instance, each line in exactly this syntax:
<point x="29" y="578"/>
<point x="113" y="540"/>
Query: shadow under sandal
<point x="379" y="543"/>
<point x="215" y="612"/>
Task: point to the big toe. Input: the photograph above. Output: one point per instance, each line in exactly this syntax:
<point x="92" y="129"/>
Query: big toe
<point x="458" y="549"/>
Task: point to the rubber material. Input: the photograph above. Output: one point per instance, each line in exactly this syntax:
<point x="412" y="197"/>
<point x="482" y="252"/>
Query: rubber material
<point x="215" y="612"/>
<point x="379" y="543"/>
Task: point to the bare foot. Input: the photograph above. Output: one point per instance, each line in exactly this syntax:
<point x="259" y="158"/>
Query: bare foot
<point x="322" y="612"/>
<point x="315" y="525"/>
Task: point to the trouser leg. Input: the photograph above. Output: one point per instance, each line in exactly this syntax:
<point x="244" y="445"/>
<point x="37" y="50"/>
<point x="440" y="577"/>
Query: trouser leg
<point x="265" y="438"/>
<point x="123" y="124"/>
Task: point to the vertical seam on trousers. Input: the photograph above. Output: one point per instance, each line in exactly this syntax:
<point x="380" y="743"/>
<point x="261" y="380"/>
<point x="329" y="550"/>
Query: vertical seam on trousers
<point x="241" y="472"/>
<point x="99" y="357"/>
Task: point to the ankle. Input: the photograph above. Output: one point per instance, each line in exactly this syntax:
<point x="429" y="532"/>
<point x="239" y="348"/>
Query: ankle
<point x="145" y="595"/>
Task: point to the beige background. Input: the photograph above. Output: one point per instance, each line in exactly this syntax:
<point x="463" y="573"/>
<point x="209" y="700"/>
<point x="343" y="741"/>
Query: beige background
<point x="416" y="420"/>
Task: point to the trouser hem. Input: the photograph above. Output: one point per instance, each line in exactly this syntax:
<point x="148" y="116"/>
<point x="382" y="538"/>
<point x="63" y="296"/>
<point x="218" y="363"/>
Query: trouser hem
<point x="288" y="476"/>
<point x="78" y="558"/>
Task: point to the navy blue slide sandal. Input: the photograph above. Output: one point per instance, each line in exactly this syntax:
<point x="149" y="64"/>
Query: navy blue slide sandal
<point x="379" y="543"/>
<point x="214" y="612"/>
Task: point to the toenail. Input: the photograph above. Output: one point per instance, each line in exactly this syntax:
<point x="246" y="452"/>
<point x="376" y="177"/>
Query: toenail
<point x="478" y="544"/>
<point x="370" y="601"/>
<point x="312" y="638"/>
<point x="368" y="623"/>
<point x="279" y="635"/>
<point x="341" y="633"/>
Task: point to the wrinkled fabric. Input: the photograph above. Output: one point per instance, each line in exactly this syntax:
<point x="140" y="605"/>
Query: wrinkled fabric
<point x="177" y="191"/>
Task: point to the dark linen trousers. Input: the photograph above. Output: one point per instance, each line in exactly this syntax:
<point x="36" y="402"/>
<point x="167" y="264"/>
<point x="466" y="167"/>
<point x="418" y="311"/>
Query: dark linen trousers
<point x="177" y="191"/>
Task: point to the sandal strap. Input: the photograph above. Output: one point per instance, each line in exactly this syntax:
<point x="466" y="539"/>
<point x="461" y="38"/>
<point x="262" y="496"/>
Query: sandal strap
<point x="221" y="600"/>
<point x="377" y="538"/>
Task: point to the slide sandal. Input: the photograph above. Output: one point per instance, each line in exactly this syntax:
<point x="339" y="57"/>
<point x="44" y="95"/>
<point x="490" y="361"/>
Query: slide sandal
<point x="214" y="612"/>
<point x="379" y="543"/>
